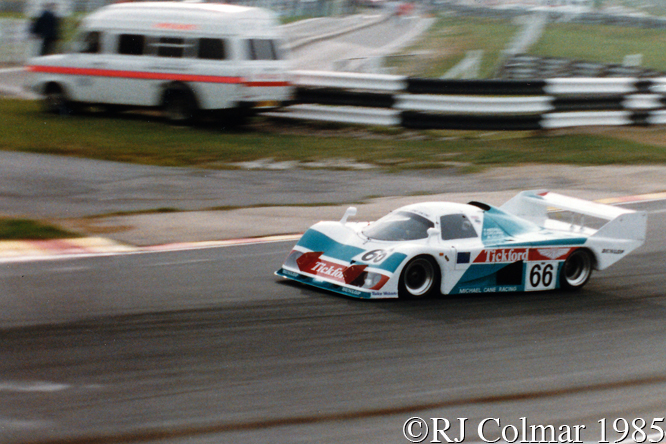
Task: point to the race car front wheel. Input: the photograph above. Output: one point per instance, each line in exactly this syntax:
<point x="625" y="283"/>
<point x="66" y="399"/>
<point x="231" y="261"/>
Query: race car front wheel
<point x="577" y="270"/>
<point x="419" y="278"/>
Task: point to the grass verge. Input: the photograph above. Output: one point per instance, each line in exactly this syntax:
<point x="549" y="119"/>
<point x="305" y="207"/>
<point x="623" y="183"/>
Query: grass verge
<point x="447" y="42"/>
<point x="603" y="44"/>
<point x="143" y="139"/>
<point x="25" y="229"/>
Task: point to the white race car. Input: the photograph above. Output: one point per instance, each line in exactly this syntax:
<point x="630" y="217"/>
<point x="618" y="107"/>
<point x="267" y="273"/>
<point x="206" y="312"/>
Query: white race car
<point x="538" y="240"/>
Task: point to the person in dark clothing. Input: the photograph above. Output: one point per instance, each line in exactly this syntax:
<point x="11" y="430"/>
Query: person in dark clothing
<point x="46" y="27"/>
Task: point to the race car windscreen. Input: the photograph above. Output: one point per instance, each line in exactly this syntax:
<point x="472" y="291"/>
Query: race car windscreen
<point x="399" y="226"/>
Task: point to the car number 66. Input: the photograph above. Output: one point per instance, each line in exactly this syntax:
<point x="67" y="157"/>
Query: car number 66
<point x="541" y="276"/>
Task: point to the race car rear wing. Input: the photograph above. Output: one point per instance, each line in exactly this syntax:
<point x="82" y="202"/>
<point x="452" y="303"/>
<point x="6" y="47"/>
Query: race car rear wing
<point x="591" y="218"/>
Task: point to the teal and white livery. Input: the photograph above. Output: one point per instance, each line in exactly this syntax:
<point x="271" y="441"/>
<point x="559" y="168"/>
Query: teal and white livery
<point x="538" y="240"/>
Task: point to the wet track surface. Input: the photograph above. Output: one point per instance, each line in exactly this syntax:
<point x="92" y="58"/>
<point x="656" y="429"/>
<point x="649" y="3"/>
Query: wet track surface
<point x="223" y="351"/>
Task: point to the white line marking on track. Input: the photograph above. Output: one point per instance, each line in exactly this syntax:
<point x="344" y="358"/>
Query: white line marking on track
<point x="24" y="424"/>
<point x="33" y="386"/>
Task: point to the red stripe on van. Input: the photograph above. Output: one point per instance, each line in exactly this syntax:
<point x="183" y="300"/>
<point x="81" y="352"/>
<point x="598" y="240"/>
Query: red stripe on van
<point x="149" y="75"/>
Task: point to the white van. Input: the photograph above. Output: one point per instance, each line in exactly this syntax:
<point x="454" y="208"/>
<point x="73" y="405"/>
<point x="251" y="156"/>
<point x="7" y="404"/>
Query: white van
<point x="182" y="57"/>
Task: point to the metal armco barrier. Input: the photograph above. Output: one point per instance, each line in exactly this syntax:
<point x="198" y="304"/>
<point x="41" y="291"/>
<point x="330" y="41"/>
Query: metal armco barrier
<point x="466" y="104"/>
<point x="416" y="120"/>
<point x="476" y="87"/>
<point x="567" y="120"/>
<point x="332" y="96"/>
<point x="386" y="100"/>
<point x="347" y="80"/>
<point x="591" y="86"/>
<point x="344" y="114"/>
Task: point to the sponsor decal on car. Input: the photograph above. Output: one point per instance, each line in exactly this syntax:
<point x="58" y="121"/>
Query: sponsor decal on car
<point x="559" y="253"/>
<point x="507" y="255"/>
<point x="611" y="251"/>
<point x="322" y="267"/>
<point x="494" y="289"/>
<point x="502" y="255"/>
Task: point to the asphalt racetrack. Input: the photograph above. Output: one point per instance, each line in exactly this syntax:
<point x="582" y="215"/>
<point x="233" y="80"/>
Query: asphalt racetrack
<point x="219" y="350"/>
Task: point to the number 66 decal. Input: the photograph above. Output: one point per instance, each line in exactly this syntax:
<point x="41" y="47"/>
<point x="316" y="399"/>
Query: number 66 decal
<point x="541" y="275"/>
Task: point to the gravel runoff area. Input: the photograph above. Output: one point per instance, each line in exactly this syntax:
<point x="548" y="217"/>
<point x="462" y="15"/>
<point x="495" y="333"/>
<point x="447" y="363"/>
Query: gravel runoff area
<point x="494" y="186"/>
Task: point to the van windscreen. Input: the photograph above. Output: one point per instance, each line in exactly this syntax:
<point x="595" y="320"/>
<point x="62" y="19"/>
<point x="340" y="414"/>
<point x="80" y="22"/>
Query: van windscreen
<point x="262" y="49"/>
<point x="90" y="42"/>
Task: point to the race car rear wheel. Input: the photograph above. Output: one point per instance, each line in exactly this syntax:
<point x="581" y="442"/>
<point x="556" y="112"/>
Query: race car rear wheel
<point x="576" y="270"/>
<point x="419" y="278"/>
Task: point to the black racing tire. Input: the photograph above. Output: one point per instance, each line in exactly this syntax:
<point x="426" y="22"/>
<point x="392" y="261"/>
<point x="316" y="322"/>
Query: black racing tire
<point x="420" y="278"/>
<point x="56" y="101"/>
<point x="576" y="270"/>
<point x="179" y="106"/>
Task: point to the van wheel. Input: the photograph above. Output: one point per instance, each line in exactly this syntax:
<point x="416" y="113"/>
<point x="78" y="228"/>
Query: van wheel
<point x="179" y="106"/>
<point x="56" y="101"/>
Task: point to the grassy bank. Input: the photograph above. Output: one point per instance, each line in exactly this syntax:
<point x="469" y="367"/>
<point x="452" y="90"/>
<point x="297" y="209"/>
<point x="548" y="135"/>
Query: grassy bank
<point x="143" y="139"/>
<point x="604" y="44"/>
<point x="25" y="229"/>
<point x="447" y="42"/>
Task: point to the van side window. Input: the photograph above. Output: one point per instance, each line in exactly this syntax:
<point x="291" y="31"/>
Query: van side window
<point x="90" y="43"/>
<point x="262" y="49"/>
<point x="131" y="44"/>
<point x="170" y="47"/>
<point x="211" y="49"/>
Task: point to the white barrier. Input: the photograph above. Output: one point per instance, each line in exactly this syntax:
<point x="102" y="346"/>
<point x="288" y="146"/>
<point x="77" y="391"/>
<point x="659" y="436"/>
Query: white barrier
<point x="481" y="105"/>
<point x="346" y="80"/>
<point x="592" y="118"/>
<point x="342" y="114"/>
<point x="596" y="86"/>
<point x="658" y="85"/>
<point x="643" y="101"/>
<point x="657" y="118"/>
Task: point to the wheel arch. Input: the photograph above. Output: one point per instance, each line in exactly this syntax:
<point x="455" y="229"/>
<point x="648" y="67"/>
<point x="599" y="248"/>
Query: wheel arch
<point x="51" y="85"/>
<point x="593" y="254"/>
<point x="68" y="104"/>
<point x="180" y="86"/>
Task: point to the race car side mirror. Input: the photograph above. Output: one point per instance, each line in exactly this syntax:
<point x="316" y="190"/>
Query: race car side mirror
<point x="433" y="233"/>
<point x="351" y="211"/>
